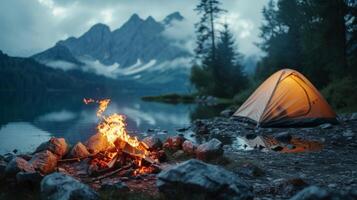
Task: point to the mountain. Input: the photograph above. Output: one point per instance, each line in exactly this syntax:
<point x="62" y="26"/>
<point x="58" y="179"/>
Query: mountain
<point x="137" y="51"/>
<point x="57" y="53"/>
<point x="27" y="74"/>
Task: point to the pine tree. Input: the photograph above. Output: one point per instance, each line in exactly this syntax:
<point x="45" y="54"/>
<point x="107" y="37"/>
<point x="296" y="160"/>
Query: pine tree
<point x="230" y="79"/>
<point x="209" y="10"/>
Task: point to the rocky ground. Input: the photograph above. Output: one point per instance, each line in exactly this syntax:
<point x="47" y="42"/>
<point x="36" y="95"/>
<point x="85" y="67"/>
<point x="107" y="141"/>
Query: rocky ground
<point x="327" y="160"/>
<point x="220" y="158"/>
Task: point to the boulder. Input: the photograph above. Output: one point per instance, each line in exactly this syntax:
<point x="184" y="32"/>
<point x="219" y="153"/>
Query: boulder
<point x="18" y="165"/>
<point x="79" y="151"/>
<point x="45" y="161"/>
<point x="58" y="186"/>
<point x="189" y="147"/>
<point x="210" y="150"/>
<point x="284" y="137"/>
<point x="152" y="142"/>
<point x="317" y="193"/>
<point x="57" y="146"/>
<point x="97" y="143"/>
<point x="29" y="178"/>
<point x="193" y="179"/>
<point x="174" y="143"/>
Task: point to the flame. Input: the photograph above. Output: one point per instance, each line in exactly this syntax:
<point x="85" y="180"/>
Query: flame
<point x="113" y="127"/>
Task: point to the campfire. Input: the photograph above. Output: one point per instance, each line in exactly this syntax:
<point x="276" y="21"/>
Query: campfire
<point x="113" y="150"/>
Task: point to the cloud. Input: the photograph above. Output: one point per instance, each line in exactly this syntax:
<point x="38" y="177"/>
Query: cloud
<point x="60" y="64"/>
<point x="100" y="69"/>
<point x="183" y="39"/>
<point x="39" y="24"/>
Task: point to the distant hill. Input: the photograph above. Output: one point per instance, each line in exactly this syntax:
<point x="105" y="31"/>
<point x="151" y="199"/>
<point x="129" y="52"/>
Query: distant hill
<point x="27" y="74"/>
<point x="138" y="51"/>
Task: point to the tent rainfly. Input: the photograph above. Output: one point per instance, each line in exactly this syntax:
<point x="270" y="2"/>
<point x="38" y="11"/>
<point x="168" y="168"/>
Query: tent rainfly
<point x="286" y="98"/>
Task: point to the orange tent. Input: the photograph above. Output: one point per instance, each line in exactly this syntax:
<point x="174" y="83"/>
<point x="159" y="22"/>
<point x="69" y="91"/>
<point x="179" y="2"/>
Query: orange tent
<point x="286" y="98"/>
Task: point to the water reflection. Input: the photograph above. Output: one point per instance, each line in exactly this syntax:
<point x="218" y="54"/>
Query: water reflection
<point x="65" y="115"/>
<point x="267" y="143"/>
<point x="22" y="136"/>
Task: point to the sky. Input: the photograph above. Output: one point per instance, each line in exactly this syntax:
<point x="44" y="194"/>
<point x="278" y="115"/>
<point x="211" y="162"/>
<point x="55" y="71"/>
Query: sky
<point x="31" y="26"/>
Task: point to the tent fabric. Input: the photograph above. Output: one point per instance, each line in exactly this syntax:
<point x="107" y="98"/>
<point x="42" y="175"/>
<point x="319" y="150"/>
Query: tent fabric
<point x="286" y="98"/>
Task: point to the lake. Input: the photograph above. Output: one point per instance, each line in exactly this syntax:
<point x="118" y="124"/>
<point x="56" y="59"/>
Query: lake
<point x="28" y="119"/>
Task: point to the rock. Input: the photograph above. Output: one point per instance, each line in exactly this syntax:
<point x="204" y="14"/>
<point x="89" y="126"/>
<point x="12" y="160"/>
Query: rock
<point x="284" y="137"/>
<point x="18" y="165"/>
<point x="97" y="143"/>
<point x="189" y="147"/>
<point x="178" y="155"/>
<point x="210" y="150"/>
<point x="79" y="151"/>
<point x="182" y="129"/>
<point x="174" y="143"/>
<point x="288" y="186"/>
<point x="227" y="113"/>
<point x="29" y="177"/>
<point x="58" y="186"/>
<point x="326" y="126"/>
<point x="57" y="146"/>
<point x="276" y="148"/>
<point x="44" y="161"/>
<point x="251" y="170"/>
<point x="353" y="116"/>
<point x="348" y="133"/>
<point x="152" y="142"/>
<point x="8" y="157"/>
<point x="3" y="165"/>
<point x="312" y="193"/>
<point x="118" y="186"/>
<point x="193" y="178"/>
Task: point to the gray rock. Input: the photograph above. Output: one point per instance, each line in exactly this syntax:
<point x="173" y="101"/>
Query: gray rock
<point x="189" y="147"/>
<point x="79" y="151"/>
<point x="288" y="187"/>
<point x="44" y="161"/>
<point x="194" y="178"/>
<point x="18" y="165"/>
<point x="209" y="150"/>
<point x="152" y="142"/>
<point x="283" y="137"/>
<point x="312" y="193"/>
<point x="118" y="186"/>
<point x="57" y="146"/>
<point x="326" y="126"/>
<point x="227" y="113"/>
<point x="29" y="177"/>
<point x="8" y="157"/>
<point x="58" y="186"/>
<point x="348" y="133"/>
<point x="353" y="116"/>
<point x="178" y="154"/>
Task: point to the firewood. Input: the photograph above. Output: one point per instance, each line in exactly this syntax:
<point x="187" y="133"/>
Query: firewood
<point x="108" y="174"/>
